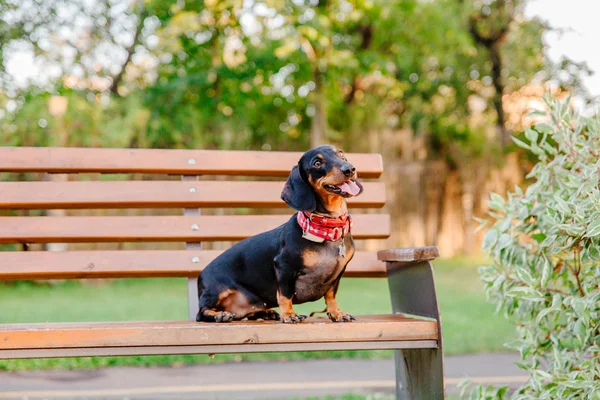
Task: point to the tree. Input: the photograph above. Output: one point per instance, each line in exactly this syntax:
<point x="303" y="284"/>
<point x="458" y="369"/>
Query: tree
<point x="285" y="74"/>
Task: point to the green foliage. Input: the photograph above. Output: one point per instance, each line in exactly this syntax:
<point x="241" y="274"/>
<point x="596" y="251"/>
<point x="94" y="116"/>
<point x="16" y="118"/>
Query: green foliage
<point x="120" y="123"/>
<point x="545" y="247"/>
<point x="261" y="74"/>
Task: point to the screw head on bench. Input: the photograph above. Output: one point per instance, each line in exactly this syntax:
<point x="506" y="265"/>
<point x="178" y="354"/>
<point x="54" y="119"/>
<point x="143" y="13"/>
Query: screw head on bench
<point x="191" y="161"/>
<point x="195" y="260"/>
<point x="192" y="190"/>
<point x="194" y="227"/>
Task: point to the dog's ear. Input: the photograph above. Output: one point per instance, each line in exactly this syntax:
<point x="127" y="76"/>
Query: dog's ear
<point x="297" y="193"/>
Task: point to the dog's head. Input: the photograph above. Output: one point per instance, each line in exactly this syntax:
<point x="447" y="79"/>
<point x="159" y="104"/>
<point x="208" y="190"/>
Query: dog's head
<point x="322" y="179"/>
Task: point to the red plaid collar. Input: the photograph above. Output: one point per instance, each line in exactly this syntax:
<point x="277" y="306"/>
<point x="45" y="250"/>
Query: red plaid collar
<point x="323" y="227"/>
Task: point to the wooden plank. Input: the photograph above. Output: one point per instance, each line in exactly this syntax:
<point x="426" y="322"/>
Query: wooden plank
<point x="161" y="228"/>
<point x="136" y="264"/>
<point x="189" y="333"/>
<point x="214" y="349"/>
<point x="156" y="161"/>
<point x="159" y="194"/>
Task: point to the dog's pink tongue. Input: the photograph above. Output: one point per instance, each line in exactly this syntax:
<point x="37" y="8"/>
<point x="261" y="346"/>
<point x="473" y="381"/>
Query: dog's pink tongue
<point x="350" y="188"/>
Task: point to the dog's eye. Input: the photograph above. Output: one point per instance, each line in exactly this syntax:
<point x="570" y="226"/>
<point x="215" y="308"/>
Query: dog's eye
<point x="317" y="163"/>
<point x="341" y="154"/>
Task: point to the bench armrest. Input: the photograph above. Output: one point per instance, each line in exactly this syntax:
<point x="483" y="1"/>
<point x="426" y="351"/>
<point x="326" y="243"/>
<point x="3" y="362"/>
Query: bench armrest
<point x="419" y="372"/>
<point x="409" y="254"/>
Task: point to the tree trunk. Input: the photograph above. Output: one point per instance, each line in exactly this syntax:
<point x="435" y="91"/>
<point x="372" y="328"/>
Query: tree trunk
<point x="496" y="60"/>
<point x="116" y="80"/>
<point x="492" y="41"/>
<point x="318" y="132"/>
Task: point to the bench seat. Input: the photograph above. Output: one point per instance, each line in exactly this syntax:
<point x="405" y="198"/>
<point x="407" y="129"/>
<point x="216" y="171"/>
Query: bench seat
<point x="189" y="337"/>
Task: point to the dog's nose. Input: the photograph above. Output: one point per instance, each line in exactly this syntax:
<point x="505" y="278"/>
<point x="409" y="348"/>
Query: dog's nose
<point x="348" y="170"/>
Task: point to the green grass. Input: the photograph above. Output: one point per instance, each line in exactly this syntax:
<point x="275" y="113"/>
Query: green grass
<point x="469" y="324"/>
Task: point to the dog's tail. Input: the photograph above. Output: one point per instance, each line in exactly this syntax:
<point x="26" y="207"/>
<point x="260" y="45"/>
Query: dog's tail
<point x="318" y="312"/>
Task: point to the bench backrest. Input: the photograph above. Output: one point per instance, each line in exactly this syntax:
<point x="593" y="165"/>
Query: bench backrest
<point x="186" y="192"/>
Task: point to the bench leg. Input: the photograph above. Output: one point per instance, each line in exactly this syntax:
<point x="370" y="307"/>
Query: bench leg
<point x="419" y="372"/>
<point x="192" y="284"/>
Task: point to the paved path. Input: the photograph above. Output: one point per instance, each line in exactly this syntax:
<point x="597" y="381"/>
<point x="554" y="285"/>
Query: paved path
<point x="245" y="381"/>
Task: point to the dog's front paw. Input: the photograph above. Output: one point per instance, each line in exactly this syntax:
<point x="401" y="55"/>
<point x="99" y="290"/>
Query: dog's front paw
<point x="340" y="316"/>
<point x="292" y="318"/>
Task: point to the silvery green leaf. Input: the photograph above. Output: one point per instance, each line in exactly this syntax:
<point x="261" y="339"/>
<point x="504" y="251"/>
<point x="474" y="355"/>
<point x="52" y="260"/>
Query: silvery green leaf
<point x="521" y="143"/>
<point x="576" y="384"/>
<point x="549" y="149"/>
<point x="542" y="374"/>
<point x="567" y="100"/>
<point x="514" y="344"/>
<point x="557" y="301"/>
<point x="549" y="240"/>
<point x="496" y="202"/>
<point x="504" y="241"/>
<point x="498" y="281"/>
<point x="572" y="229"/>
<point x="537" y="150"/>
<point x="579" y="306"/>
<point x="526" y="293"/>
<point x="543" y="127"/>
<point x="531" y="135"/>
<point x="497" y="197"/>
<point x="482" y="224"/>
<point x="593" y="252"/>
<point x="554" y="215"/>
<point x="524" y="275"/>
<point x="518" y="190"/>
<point x="593" y="229"/>
<point x="562" y="205"/>
<point x="543" y="313"/>
<point x="490" y="238"/>
<point x="537" y="113"/>
<point x="504" y="225"/>
<point x="546" y="272"/>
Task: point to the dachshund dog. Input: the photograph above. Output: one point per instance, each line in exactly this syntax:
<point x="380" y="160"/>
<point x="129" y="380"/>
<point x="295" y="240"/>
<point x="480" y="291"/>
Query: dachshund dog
<point x="300" y="261"/>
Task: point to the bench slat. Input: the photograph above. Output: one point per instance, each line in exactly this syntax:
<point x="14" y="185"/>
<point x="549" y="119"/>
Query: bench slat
<point x="136" y="264"/>
<point x="158" y="194"/>
<point x="155" y="161"/>
<point x="188" y="333"/>
<point x="215" y="349"/>
<point x="161" y="228"/>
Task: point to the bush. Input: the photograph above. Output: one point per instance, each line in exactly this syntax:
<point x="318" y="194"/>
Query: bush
<point x="545" y="249"/>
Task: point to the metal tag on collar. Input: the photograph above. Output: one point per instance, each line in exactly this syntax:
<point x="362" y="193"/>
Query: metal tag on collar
<point x="342" y="249"/>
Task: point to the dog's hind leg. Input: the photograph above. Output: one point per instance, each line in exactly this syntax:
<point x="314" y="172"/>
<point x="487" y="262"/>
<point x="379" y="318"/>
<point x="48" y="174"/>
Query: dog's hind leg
<point x="208" y="306"/>
<point x="209" y="311"/>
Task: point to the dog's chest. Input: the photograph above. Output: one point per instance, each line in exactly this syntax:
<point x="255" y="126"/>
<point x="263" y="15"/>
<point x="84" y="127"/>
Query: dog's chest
<point x="322" y="264"/>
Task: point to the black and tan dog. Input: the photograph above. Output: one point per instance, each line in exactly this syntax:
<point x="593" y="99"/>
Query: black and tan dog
<point x="299" y="261"/>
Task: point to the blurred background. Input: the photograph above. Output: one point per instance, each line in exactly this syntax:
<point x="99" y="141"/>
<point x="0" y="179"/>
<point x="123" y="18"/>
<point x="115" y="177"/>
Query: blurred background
<point x="438" y="87"/>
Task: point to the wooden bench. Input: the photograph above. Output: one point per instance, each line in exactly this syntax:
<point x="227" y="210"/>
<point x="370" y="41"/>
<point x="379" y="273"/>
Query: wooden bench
<point x="414" y="329"/>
